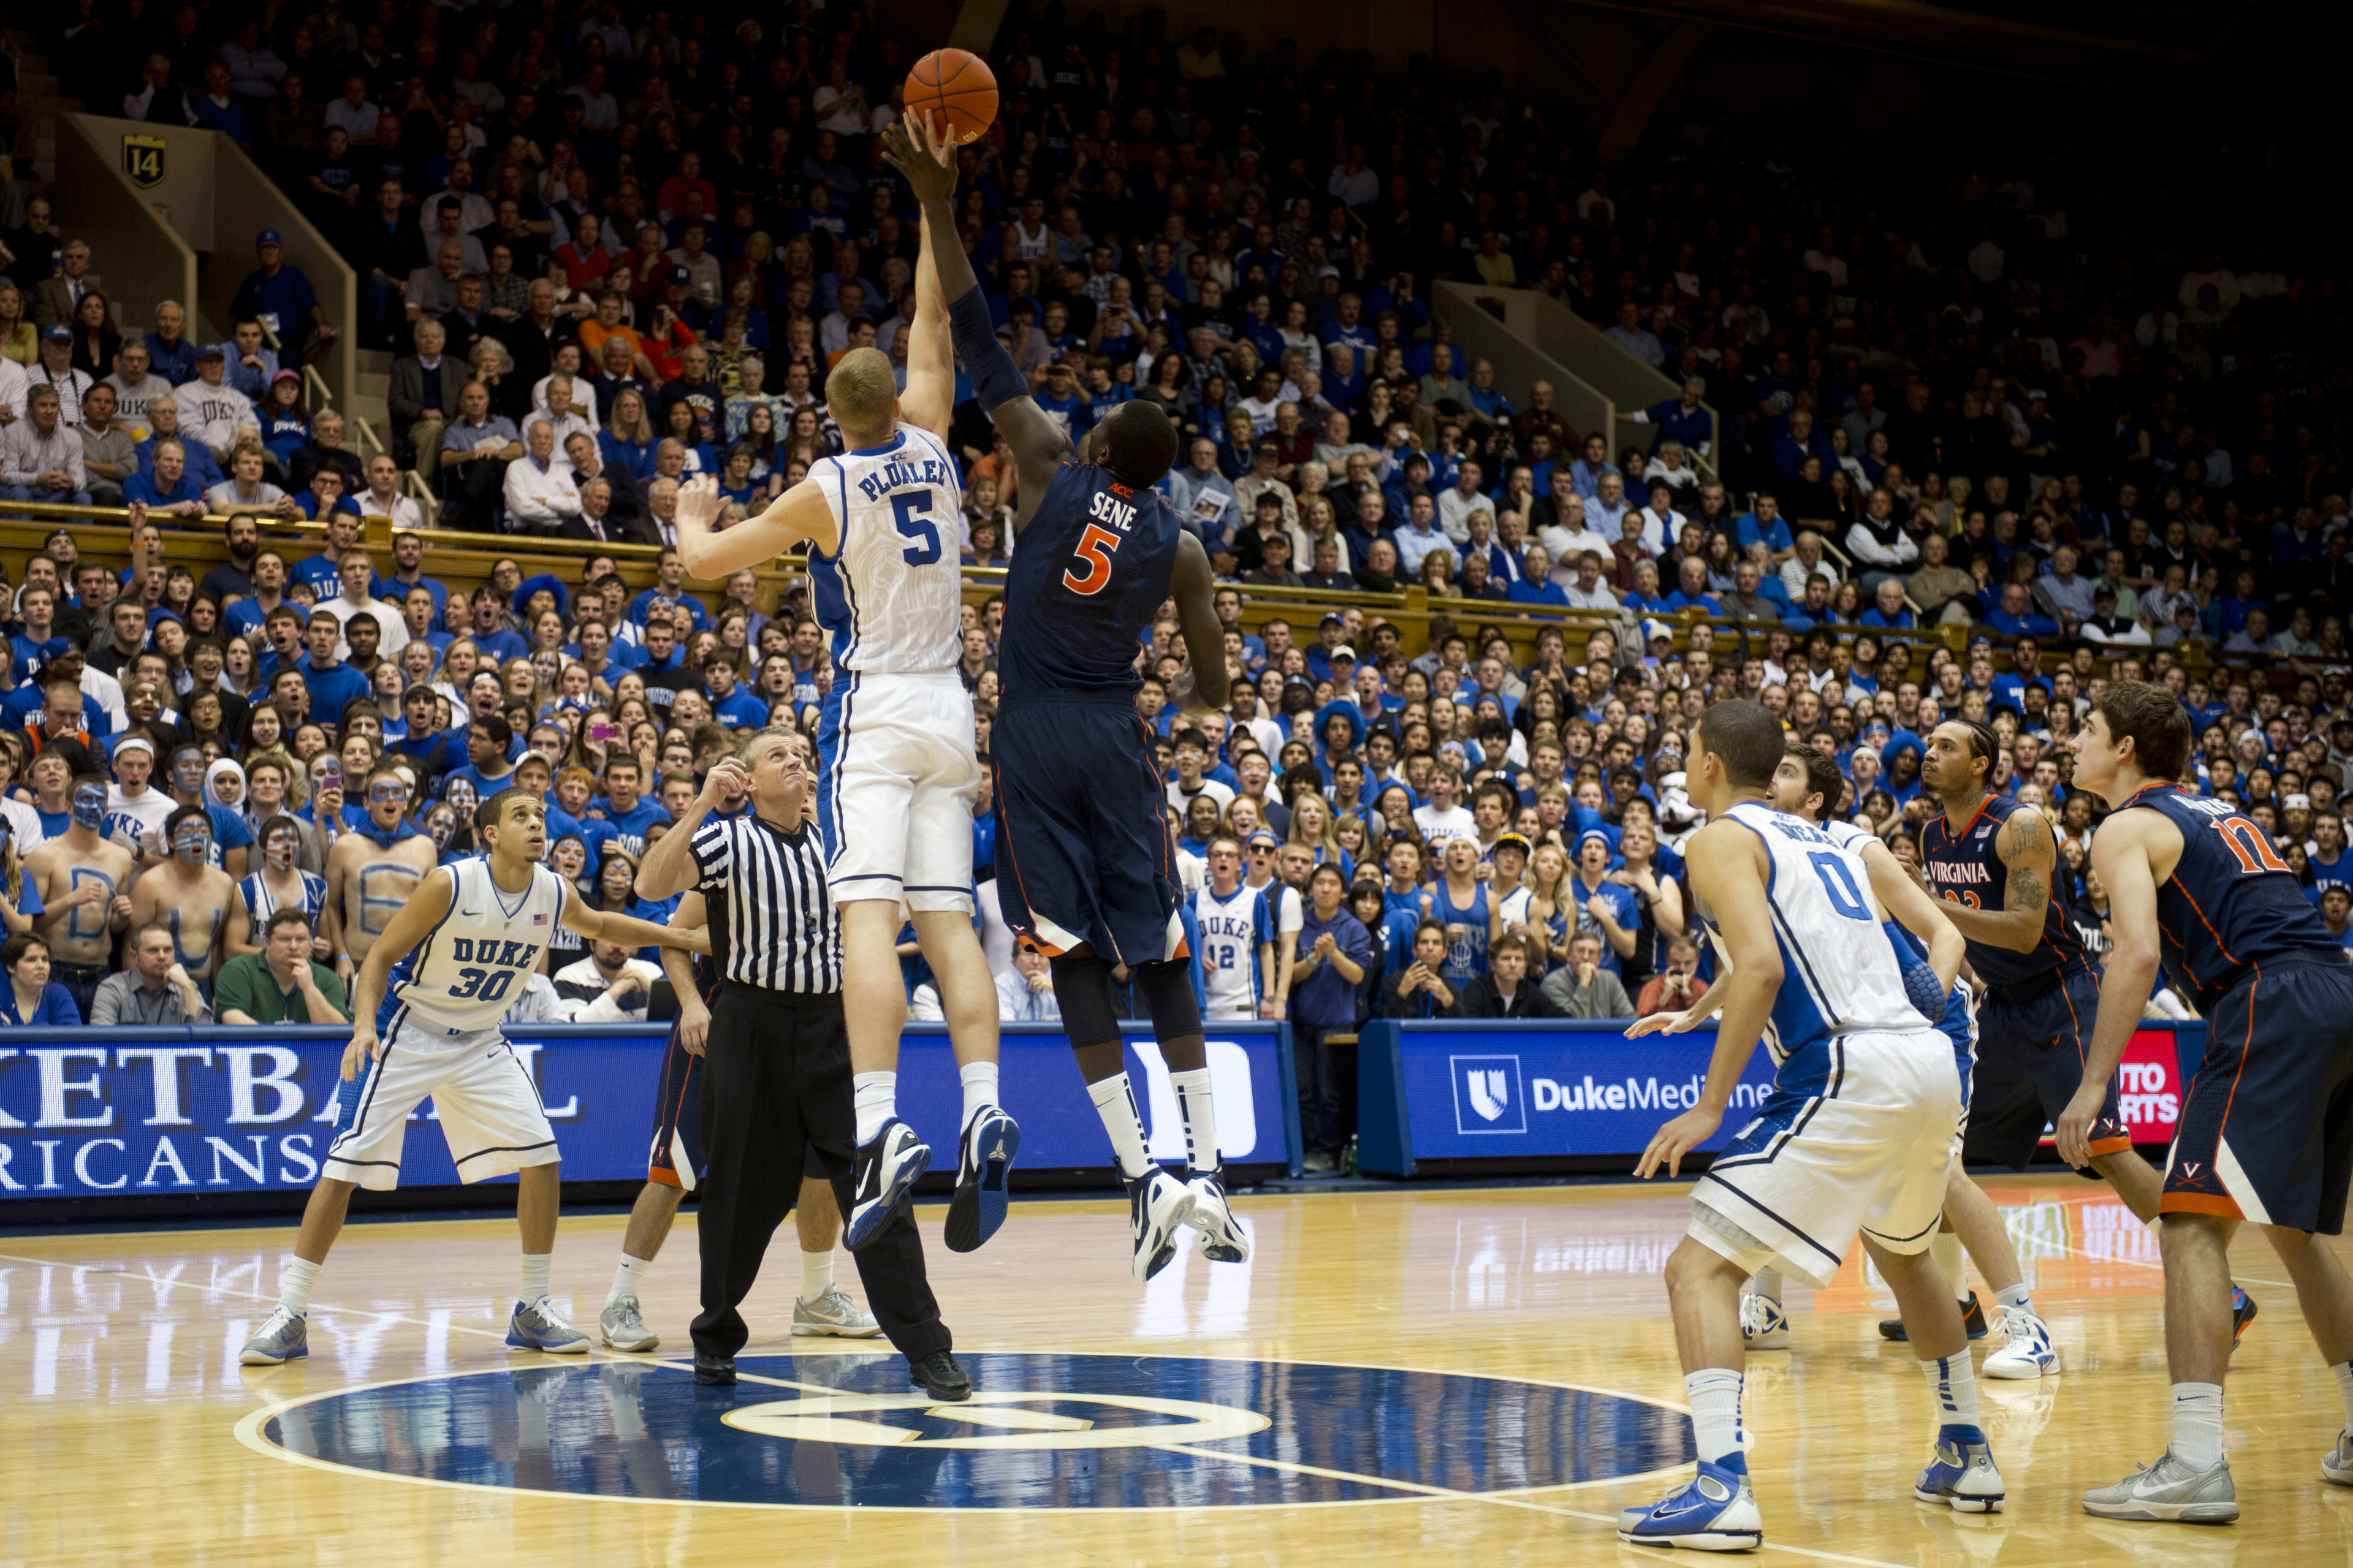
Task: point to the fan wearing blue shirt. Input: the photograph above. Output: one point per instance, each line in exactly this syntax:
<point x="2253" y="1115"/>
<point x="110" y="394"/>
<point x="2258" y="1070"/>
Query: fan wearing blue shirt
<point x="320" y="571"/>
<point x="168" y="485"/>
<point x="734" y="706"/>
<point x="1691" y="588"/>
<point x="1766" y="525"/>
<point x="333" y="683"/>
<point x="489" y="737"/>
<point x="631" y="813"/>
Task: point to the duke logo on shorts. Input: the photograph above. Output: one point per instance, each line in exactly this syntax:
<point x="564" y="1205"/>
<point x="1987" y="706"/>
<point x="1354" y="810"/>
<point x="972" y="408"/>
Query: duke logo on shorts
<point x="898" y="777"/>
<point x="437" y="1035"/>
<point x="1859" y="1128"/>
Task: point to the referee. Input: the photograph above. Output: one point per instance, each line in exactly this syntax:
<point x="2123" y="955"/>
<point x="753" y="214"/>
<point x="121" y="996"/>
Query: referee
<point x="775" y="1075"/>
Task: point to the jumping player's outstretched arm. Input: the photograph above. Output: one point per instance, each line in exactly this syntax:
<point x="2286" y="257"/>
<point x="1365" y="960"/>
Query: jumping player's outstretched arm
<point x="1728" y="871"/>
<point x="2124" y="852"/>
<point x="917" y="150"/>
<point x="796" y="517"/>
<point x="1203" y="684"/>
<point x="929" y="399"/>
<point x="2031" y="854"/>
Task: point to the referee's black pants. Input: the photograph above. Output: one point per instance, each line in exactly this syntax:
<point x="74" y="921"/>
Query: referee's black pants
<point x="775" y="1085"/>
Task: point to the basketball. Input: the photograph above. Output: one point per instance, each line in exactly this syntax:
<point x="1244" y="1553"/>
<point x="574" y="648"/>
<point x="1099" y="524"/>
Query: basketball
<point x="957" y="85"/>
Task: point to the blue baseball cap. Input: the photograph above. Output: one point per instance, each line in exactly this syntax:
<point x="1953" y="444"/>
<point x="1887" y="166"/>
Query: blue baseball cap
<point x="57" y="332"/>
<point x="267" y="237"/>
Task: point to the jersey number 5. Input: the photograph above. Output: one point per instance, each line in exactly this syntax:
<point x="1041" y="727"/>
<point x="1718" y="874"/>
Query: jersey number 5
<point x="1095" y="547"/>
<point x="910" y="505"/>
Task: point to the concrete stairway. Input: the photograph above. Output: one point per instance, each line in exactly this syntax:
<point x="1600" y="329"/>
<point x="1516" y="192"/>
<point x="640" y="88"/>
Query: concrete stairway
<point x="39" y="102"/>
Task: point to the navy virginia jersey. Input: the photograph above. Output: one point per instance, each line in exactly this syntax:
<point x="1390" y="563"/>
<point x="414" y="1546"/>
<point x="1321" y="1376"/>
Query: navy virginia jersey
<point x="2232" y="901"/>
<point x="1089" y="574"/>
<point x="1964" y="867"/>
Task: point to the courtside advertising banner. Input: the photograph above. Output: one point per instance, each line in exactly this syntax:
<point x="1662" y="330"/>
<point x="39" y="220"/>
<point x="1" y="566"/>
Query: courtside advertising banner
<point x="93" y="1113"/>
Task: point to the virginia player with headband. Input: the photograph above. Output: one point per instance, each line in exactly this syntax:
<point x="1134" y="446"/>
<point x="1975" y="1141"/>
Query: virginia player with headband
<point x="1995" y="866"/>
<point x="899" y="774"/>
<point x="475" y="930"/>
<point x="2266" y="1130"/>
<point x="1807" y="785"/>
<point x="1086" y="872"/>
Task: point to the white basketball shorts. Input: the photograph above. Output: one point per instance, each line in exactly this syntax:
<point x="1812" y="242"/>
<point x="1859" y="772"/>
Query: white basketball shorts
<point x="489" y="1106"/>
<point x="897" y="782"/>
<point x="1867" y="1153"/>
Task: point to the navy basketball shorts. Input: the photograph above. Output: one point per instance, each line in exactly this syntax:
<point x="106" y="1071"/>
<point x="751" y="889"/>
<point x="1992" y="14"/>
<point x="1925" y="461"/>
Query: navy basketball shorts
<point x="2041" y="1041"/>
<point x="674" y="1153"/>
<point x="2266" y="1131"/>
<point x="1083" y="850"/>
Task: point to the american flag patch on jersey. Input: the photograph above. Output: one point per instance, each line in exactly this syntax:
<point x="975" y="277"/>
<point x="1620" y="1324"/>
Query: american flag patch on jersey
<point x="540" y="918"/>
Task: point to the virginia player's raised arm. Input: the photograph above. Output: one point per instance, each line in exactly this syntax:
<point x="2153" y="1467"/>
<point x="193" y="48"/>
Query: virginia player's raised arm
<point x="1203" y="684"/>
<point x="919" y="152"/>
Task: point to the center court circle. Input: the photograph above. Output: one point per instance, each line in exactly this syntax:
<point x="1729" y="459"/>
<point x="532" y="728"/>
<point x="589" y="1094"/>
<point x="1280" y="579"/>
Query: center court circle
<point x="1041" y="1431"/>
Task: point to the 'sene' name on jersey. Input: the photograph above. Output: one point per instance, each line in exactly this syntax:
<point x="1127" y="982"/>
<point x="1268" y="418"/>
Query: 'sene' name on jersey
<point x="1120" y="515"/>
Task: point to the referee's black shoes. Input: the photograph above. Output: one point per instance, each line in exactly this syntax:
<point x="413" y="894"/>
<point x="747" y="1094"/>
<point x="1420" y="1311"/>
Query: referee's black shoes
<point x="709" y="1368"/>
<point x="938" y="1375"/>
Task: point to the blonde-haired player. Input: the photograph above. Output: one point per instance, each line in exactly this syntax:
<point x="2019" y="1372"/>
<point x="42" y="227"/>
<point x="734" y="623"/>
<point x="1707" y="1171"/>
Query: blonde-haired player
<point x="899" y="776"/>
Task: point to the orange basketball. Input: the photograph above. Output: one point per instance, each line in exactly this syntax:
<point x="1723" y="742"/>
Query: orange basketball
<point x="955" y="85"/>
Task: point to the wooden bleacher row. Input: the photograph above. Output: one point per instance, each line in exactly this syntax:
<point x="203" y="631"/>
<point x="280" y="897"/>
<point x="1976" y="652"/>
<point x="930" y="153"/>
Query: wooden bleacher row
<point x="465" y="559"/>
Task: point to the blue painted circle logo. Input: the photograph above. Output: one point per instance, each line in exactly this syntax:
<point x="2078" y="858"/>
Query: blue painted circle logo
<point x="1041" y="1431"/>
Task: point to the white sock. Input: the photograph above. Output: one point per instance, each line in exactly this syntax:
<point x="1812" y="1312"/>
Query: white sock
<point x="1713" y="1395"/>
<point x="875" y="1096"/>
<point x="535" y="1269"/>
<point x="1946" y="1253"/>
<point x="1768" y="1283"/>
<point x="1194" y="1099"/>
<point x="2197" y="1424"/>
<point x="1114" y="1100"/>
<point x="816" y="1274"/>
<point x="625" y="1277"/>
<point x="980" y="1090"/>
<point x="2014" y="1299"/>
<point x="1955" y="1384"/>
<point x="294" y="1287"/>
<point x="2343" y="1371"/>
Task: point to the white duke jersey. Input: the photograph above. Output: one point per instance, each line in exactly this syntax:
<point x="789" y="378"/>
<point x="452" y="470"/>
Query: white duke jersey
<point x="472" y="966"/>
<point x="892" y="592"/>
<point x="1231" y="932"/>
<point x="1838" y="973"/>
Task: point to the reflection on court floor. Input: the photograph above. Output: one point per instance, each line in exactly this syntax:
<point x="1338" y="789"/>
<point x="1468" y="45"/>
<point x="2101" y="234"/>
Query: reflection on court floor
<point x="1041" y="1431"/>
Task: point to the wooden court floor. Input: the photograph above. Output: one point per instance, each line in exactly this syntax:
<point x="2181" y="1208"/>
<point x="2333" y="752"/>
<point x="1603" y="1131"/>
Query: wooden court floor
<point x="1463" y="1377"/>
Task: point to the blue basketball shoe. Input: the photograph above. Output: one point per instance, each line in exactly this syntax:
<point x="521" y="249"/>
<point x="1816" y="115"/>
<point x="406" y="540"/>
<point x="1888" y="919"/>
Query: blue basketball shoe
<point x="984" y="1174"/>
<point x="1962" y="1474"/>
<point x="1716" y="1512"/>
<point x="887" y="1169"/>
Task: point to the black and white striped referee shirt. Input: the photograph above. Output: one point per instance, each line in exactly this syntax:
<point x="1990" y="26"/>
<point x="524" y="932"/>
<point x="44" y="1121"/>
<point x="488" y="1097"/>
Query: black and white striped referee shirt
<point x="777" y="930"/>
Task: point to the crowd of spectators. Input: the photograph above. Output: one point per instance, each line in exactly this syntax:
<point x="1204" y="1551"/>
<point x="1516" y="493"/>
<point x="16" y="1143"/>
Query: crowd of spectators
<point x="616" y="248"/>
